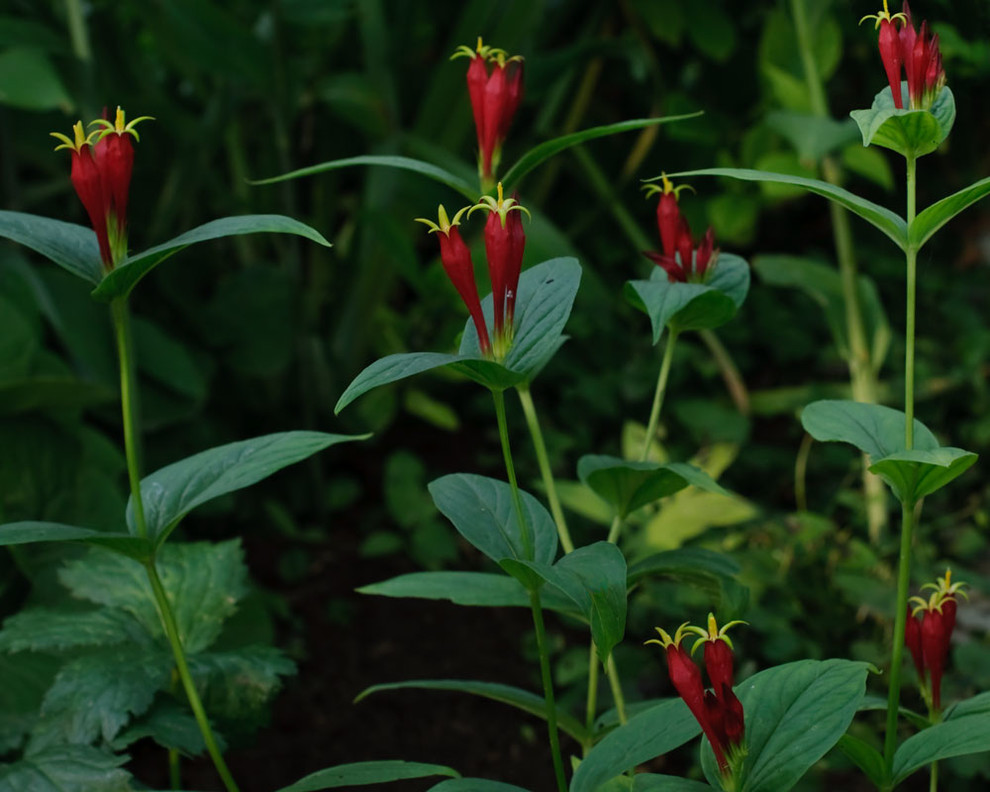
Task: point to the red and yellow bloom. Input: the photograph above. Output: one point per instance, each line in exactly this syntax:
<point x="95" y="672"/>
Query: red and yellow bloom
<point x="928" y="635"/>
<point x="681" y="259"/>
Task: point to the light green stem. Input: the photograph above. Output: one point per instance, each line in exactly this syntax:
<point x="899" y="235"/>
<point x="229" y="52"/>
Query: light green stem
<point x="900" y="620"/>
<point x="543" y="460"/>
<point x="616" y="687"/>
<point x="78" y="34"/>
<point x="651" y="428"/>
<point x="591" y="705"/>
<point x="510" y="471"/>
<point x="912" y="276"/>
<point x="933" y="778"/>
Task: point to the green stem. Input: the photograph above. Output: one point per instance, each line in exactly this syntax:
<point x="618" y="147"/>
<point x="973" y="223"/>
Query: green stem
<point x="591" y="706"/>
<point x="174" y="769"/>
<point x="128" y="405"/>
<point x="900" y="619"/>
<point x="912" y="273"/>
<point x="175" y="640"/>
<point x="613" y="680"/>
<point x="651" y="428"/>
<point x="541" y="645"/>
<point x="933" y="778"/>
<point x="510" y="471"/>
<point x="543" y="460"/>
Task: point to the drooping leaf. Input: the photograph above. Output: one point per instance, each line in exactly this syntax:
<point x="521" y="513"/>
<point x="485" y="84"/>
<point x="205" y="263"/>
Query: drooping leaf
<point x="170" y="493"/>
<point x="932" y="218"/>
<point x="538" y="154"/>
<point x="120" y="281"/>
<point x="67" y="768"/>
<point x="364" y="773"/>
<point x="912" y="133"/>
<point x="468" y="588"/>
<point x="31" y="531"/>
<point x="645" y="736"/>
<point x="95" y="695"/>
<point x="238" y="683"/>
<point x="51" y="629"/>
<point x="427" y="169"/>
<point x="73" y="247"/>
<point x="914" y="474"/>
<point x="866" y="758"/>
<point x="507" y="694"/>
<point x="885" y="220"/>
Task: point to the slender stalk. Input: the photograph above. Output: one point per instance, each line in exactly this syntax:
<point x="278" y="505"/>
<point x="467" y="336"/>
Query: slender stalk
<point x="616" y="687"/>
<point x="510" y="471"/>
<point x="541" y="645"/>
<point x="174" y="769"/>
<point x="912" y="277"/>
<point x="933" y="778"/>
<point x="172" y="632"/>
<point x="651" y="429"/>
<point x="591" y="706"/>
<point x="615" y="529"/>
<point x="128" y="405"/>
<point x="543" y="460"/>
<point x="900" y="619"/>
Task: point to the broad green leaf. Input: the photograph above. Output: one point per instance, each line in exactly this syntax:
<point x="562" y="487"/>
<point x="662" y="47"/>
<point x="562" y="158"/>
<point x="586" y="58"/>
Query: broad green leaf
<point x="507" y="694"/>
<point x="95" y="695"/>
<point x="431" y="171"/>
<point x="168" y="724"/>
<point x="474" y="785"/>
<point x="713" y="573"/>
<point x="67" y="768"/>
<point x="72" y="247"/>
<point x="965" y="730"/>
<point x="794" y="714"/>
<point x="26" y="678"/>
<point x="483" y="512"/>
<point x="544" y="151"/>
<point x="883" y="219"/>
<point x="33" y="531"/>
<point x="204" y="581"/>
<point x="28" y="80"/>
<point x="594" y="578"/>
<point x="543" y="305"/>
<point x="914" y="474"/>
<point x="52" y="630"/>
<point x="645" y="736"/>
<point x="912" y="133"/>
<point x="691" y="306"/>
<point x="932" y="218"/>
<point x="874" y="429"/>
<point x="812" y="136"/>
<point x="120" y="281"/>
<point x="627" y="486"/>
<point x="364" y="773"/>
<point x="649" y="782"/>
<point x="170" y="493"/>
<point x="866" y="758"/>
<point x="468" y="588"/>
<point x="237" y="684"/>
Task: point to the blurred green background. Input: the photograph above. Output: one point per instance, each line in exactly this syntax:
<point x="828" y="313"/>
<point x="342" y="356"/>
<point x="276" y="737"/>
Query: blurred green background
<point x="252" y="335"/>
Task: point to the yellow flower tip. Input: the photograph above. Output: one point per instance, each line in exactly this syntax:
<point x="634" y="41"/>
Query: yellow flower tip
<point x="666" y="640"/>
<point x="444" y="223"/>
<point x="79" y="139"/>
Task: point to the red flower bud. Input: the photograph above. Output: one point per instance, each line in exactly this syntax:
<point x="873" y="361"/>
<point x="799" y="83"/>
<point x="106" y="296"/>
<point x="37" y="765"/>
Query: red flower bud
<point x="718" y="663"/>
<point x="86" y="180"/>
<point x="892" y="57"/>
<point x="912" y="639"/>
<point x="935" y="648"/>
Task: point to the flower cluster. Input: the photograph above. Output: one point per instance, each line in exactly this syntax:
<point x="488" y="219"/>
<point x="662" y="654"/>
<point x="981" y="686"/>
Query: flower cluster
<point x="681" y="259"/>
<point x="101" y="175"/>
<point x="718" y="711"/>
<point x="495" y="94"/>
<point x="505" y="242"/>
<point x="928" y="633"/>
<point x="916" y="51"/>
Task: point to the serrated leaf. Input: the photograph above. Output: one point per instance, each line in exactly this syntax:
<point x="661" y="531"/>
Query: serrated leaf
<point x="645" y="736"/>
<point x="506" y="694"/>
<point x="483" y="512"/>
<point x="203" y="582"/>
<point x="26" y="678"/>
<point x="427" y="169"/>
<point x="468" y="588"/>
<point x="881" y="218"/>
<point x="50" y="629"/>
<point x="169" y="725"/>
<point x="73" y="247"/>
<point x="544" y="151"/>
<point x="170" y="493"/>
<point x="912" y="133"/>
<point x="627" y="486"/>
<point x="120" y="281"/>
<point x="240" y="682"/>
<point x="66" y="768"/>
<point x="95" y="695"/>
<point x="941" y="212"/>
<point x="31" y="531"/>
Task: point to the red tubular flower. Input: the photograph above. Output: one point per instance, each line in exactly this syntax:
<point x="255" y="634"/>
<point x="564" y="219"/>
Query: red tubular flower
<point x="86" y="180"/>
<point x="456" y="258"/>
<point x="679" y="259"/>
<point x="912" y="640"/>
<point x="495" y="96"/>
<point x="930" y="640"/>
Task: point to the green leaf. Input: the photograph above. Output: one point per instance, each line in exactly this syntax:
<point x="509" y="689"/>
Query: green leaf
<point x="692" y="306"/>
<point x="813" y="137"/>
<point x="506" y="694"/>
<point x="203" y="581"/>
<point x="26" y="678"/>
<point x="29" y="81"/>
<point x="543" y="305"/>
<point x="594" y="578"/>
<point x="170" y="493"/>
<point x="474" y="785"/>
<point x="713" y="573"/>
<point x="941" y="212"/>
<point x="72" y="247"/>
<point x="120" y="281"/>
<point x="885" y="220"/>
<point x="649" y="782"/>
<point x="34" y="531"/>
<point x="914" y="474"/>
<point x="866" y="758"/>
<point x="431" y="171"/>
<point x="482" y="511"/>
<point x="627" y="486"/>
<point x="544" y="151"/>
<point x="50" y="629"/>
<point x="795" y="713"/>
<point x="468" y="588"/>
<point x="912" y="133"/>
<point x="239" y="683"/>
<point x="965" y="730"/>
<point x="95" y="695"/>
<point x="363" y="773"/>
<point x="169" y="725"/>
<point x="645" y="736"/>
<point x="67" y="768"/>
